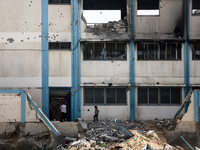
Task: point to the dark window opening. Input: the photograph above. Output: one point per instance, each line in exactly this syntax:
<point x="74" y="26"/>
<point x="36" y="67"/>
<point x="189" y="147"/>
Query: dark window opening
<point x="159" y="51"/>
<point x="164" y="95"/>
<point x="103" y="11"/>
<point x="60" y="45"/>
<point x="195" y="50"/>
<point x="142" y="95"/>
<point x="105" y="96"/>
<point x="153" y="95"/>
<point x="104" y="51"/>
<point x="159" y="96"/>
<point x="195" y="7"/>
<point x="148" y="7"/>
<point x="59" y="1"/>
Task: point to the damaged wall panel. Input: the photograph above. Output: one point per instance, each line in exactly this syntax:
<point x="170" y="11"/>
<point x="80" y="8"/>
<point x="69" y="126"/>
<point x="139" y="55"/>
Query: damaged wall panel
<point x="162" y="26"/>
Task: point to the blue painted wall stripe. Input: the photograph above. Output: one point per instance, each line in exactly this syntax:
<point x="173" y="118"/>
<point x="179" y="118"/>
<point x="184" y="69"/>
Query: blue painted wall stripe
<point x="11" y="91"/>
<point x="75" y="46"/>
<point x="45" y="58"/>
<point x="78" y="66"/>
<point x="23" y="107"/>
<point x="196" y="106"/>
<point x="72" y="60"/>
<point x="186" y="52"/>
<point x="132" y="62"/>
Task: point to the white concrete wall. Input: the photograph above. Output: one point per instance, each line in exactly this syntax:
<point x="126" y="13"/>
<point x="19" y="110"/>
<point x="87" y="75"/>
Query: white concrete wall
<point x="152" y="112"/>
<point x="165" y="72"/>
<point x="105" y="71"/>
<point x="107" y="112"/>
<point x="194" y="22"/>
<point x="20" y="44"/>
<point x="59" y="23"/>
<point x="59" y="68"/>
<point x="194" y="70"/>
<point x="171" y="14"/>
<point x="59" y="30"/>
<point x="10" y="109"/>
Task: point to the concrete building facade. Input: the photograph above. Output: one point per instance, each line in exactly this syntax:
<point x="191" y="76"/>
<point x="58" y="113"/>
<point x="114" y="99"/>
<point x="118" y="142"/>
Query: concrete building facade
<point x="138" y="68"/>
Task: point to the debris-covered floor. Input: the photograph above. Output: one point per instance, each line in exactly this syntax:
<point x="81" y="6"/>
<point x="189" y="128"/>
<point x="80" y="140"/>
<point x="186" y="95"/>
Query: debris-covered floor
<point x="114" y="135"/>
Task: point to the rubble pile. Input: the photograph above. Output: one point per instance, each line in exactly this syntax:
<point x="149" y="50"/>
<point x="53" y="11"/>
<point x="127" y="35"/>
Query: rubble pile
<point x="104" y="132"/>
<point x="114" y="135"/>
<point x="113" y="26"/>
<point x="168" y="124"/>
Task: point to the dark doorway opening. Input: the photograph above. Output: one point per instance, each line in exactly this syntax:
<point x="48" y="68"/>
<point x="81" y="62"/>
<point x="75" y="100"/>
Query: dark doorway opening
<point x="57" y="97"/>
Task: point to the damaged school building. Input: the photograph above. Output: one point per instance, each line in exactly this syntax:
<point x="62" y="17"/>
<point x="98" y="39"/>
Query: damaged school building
<point x="139" y="67"/>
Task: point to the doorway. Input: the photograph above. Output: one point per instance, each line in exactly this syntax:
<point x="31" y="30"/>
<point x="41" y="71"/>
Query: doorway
<point x="57" y="97"/>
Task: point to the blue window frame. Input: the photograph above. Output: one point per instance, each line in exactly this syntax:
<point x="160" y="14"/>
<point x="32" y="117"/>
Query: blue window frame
<point x="104" y="51"/>
<point x="158" y="51"/>
<point x="59" y="45"/>
<point x="105" y="96"/>
<point x="59" y="1"/>
<point x="159" y="95"/>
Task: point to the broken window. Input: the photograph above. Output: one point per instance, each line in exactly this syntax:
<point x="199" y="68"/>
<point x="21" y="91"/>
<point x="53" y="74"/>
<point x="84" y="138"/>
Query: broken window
<point x="59" y="45"/>
<point x="148" y="7"/>
<point x="195" y="50"/>
<point x="104" y="95"/>
<point x="59" y="1"/>
<point x="103" y="11"/>
<point x="104" y="51"/>
<point x="159" y="51"/>
<point x="195" y="7"/>
<point x="159" y="95"/>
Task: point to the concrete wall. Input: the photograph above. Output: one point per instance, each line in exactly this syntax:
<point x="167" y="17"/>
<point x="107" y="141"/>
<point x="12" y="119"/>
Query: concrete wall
<point x="20" y="44"/>
<point x="10" y="109"/>
<point x="59" y="31"/>
<point x="107" y="112"/>
<point x="152" y="112"/>
<point x="105" y="71"/>
<point x="170" y="15"/>
<point x="116" y="72"/>
<point x="194" y="70"/>
<point x="194" y="22"/>
<point x="165" y="72"/>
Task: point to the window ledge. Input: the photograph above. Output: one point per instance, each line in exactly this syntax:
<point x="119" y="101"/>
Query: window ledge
<point x="106" y="84"/>
<point x="160" y="85"/>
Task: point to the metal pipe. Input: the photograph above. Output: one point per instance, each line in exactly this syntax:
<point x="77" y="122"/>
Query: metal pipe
<point x="187" y="143"/>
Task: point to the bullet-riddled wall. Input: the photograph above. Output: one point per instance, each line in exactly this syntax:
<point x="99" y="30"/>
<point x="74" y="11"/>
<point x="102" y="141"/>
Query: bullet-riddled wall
<point x="59" y="31"/>
<point x="20" y="44"/>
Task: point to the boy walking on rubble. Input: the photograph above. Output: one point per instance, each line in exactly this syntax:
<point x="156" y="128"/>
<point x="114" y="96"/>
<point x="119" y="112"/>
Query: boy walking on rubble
<point x="96" y="113"/>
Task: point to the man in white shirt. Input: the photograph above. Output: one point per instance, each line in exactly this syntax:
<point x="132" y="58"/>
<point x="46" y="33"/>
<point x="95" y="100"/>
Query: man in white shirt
<point x="63" y="109"/>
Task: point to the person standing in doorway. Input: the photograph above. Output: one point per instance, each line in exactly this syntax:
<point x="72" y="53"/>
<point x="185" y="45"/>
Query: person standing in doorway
<point x="63" y="109"/>
<point x="96" y="113"/>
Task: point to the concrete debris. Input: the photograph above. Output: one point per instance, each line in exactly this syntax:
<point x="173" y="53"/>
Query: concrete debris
<point x="114" y="26"/>
<point x="82" y="123"/>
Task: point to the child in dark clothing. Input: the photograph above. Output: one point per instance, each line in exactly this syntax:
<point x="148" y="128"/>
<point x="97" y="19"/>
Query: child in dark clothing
<point x="96" y="113"/>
